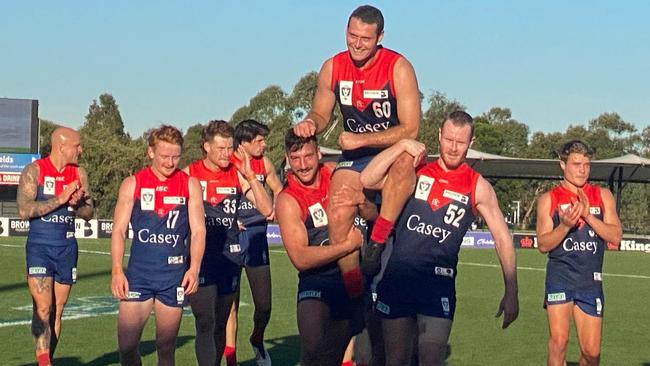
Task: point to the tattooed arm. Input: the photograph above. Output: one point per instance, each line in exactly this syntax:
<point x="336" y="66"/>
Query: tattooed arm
<point x="28" y="207"/>
<point x="81" y="199"/>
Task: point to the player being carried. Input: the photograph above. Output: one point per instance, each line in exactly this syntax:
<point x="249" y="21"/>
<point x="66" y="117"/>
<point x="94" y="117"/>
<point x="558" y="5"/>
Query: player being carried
<point x="376" y="90"/>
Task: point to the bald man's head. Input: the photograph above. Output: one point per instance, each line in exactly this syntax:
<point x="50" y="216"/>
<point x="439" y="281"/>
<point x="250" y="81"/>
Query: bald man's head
<point x="66" y="145"/>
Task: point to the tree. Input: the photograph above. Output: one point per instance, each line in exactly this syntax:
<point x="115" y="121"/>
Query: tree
<point x="109" y="154"/>
<point x="45" y="136"/>
<point x="439" y="107"/>
<point x="496" y="132"/>
<point x="106" y="115"/>
<point x="192" y="145"/>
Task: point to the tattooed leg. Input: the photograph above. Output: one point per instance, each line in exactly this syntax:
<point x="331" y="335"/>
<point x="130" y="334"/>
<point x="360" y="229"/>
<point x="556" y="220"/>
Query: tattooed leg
<point x="42" y="295"/>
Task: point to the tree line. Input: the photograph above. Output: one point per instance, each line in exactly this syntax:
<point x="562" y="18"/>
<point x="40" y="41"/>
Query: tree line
<point x="110" y="154"/>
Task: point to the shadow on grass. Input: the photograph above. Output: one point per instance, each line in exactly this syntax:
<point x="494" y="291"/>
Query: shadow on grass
<point x="113" y="358"/>
<point x="283" y="351"/>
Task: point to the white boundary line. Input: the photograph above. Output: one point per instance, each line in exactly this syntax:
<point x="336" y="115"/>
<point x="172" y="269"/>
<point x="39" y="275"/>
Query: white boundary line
<point x="461" y="263"/>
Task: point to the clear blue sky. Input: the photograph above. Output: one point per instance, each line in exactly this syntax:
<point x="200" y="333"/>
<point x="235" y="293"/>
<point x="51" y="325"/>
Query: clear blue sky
<point x="553" y="63"/>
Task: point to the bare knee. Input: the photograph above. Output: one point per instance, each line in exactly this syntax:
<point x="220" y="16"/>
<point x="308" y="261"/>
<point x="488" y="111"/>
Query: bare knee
<point x="591" y="355"/>
<point x="402" y="166"/>
<point x="558" y="343"/>
<point x="166" y="347"/>
<point x="340" y="214"/>
<point x="43" y="311"/>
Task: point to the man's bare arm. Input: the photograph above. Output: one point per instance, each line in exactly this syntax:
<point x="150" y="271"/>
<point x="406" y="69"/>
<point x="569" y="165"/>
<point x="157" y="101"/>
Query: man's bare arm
<point x="321" y="107"/>
<point x="296" y="241"/>
<point x="609" y="228"/>
<point x="28" y="206"/>
<point x="121" y="218"/>
<point x="272" y="179"/>
<point x="374" y="175"/>
<point x="549" y="237"/>
<point x="488" y="206"/>
<point x="85" y="207"/>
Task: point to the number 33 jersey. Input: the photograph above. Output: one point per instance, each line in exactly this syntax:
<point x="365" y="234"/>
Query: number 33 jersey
<point x="221" y="195"/>
<point x="160" y="224"/>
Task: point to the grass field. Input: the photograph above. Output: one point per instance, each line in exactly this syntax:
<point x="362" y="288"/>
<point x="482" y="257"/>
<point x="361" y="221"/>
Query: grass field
<point x="90" y="337"/>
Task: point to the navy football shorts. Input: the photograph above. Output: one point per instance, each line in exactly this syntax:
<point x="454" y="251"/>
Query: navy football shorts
<point x="170" y="294"/>
<point x="59" y="262"/>
<point x="591" y="301"/>
<point x="255" y="246"/>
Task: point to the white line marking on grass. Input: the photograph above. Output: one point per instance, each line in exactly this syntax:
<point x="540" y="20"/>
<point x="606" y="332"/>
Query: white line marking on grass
<point x="463" y="263"/>
<point x="544" y="270"/>
<point x="71" y="317"/>
<point x="80" y="250"/>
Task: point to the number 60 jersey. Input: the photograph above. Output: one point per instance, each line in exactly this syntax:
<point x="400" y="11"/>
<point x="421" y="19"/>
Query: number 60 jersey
<point x="160" y="227"/>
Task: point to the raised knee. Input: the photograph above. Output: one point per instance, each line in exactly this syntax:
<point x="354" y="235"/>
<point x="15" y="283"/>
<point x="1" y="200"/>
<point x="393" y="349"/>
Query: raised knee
<point x="403" y="164"/>
<point x="339" y="214"/>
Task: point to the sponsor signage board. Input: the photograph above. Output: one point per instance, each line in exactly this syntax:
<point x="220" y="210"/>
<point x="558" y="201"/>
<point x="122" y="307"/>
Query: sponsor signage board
<point x="273" y="234"/>
<point x="529" y="241"/>
<point x="478" y="239"/>
<point x="11" y="165"/>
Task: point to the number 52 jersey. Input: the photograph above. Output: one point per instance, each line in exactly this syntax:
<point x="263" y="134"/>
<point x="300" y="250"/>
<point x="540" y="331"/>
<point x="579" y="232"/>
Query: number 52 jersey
<point x="419" y="264"/>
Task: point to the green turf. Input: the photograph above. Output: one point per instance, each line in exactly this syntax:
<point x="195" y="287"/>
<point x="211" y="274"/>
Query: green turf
<point x="476" y="337"/>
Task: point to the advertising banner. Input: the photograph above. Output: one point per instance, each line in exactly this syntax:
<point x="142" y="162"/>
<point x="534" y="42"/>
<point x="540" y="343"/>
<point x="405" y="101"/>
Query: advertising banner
<point x="478" y="239"/>
<point x="12" y="164"/>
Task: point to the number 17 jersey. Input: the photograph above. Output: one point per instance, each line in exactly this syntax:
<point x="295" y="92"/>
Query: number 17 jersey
<point x="160" y="224"/>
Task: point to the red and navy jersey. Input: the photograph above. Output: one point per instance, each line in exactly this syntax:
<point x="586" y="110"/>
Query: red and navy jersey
<point x="313" y="205"/>
<point x="160" y="224"/>
<point x="578" y="261"/>
<point x="430" y="229"/>
<point x="248" y="213"/>
<point x="365" y="96"/>
<point x="57" y="226"/>
<point x="221" y="195"/>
